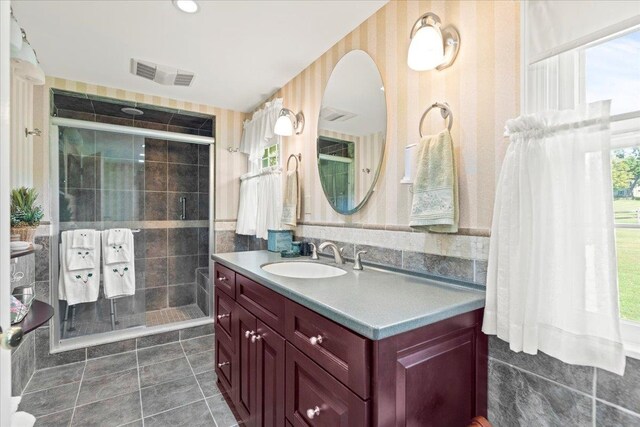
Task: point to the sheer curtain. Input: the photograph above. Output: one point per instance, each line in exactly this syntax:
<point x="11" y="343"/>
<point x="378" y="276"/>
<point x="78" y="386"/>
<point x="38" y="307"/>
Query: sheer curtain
<point x="552" y="276"/>
<point x="260" y="206"/>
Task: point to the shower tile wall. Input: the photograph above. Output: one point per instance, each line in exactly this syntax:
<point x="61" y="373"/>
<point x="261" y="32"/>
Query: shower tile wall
<point x="114" y="177"/>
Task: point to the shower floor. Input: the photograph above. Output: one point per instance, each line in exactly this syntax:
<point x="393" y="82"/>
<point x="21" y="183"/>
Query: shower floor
<point x="150" y="318"/>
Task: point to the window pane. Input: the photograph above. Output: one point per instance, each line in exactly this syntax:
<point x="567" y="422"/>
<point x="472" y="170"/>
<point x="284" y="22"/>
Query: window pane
<point x="612" y="71"/>
<point x="628" y="250"/>
<point x="625" y="173"/>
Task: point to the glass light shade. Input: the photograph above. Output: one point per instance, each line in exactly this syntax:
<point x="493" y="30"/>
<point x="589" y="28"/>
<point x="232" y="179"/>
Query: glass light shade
<point x="26" y="54"/>
<point x="16" y="36"/>
<point x="426" y="50"/>
<point x="284" y="126"/>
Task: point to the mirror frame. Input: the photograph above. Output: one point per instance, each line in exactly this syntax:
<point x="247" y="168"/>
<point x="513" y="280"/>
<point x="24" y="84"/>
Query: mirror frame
<point x="374" y="182"/>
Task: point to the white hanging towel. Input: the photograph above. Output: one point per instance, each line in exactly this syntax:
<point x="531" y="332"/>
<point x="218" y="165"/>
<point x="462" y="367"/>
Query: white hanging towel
<point x="117" y="236"/>
<point x="291" y="208"/>
<point x="84" y="239"/>
<point x="82" y="285"/>
<point x="119" y="277"/>
<point x="80" y="259"/>
<point x="116" y="253"/>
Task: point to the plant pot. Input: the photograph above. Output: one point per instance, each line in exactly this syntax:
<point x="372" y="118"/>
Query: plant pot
<point x="26" y="233"/>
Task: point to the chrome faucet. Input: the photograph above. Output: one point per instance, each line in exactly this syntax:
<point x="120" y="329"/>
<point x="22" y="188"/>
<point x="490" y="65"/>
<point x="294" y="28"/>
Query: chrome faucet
<point x="337" y="253"/>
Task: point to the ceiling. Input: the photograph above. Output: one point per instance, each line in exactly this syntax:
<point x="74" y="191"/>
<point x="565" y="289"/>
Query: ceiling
<point x="240" y="51"/>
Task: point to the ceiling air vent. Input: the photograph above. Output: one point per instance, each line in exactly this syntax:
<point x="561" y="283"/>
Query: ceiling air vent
<point x="334" y="115"/>
<point x="163" y="74"/>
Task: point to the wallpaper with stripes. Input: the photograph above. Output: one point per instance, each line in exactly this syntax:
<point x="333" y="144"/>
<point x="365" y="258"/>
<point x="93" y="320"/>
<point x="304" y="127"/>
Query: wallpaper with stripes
<point x="482" y="88"/>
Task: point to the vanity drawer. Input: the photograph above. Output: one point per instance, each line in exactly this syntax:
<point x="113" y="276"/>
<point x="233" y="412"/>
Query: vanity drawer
<point x="262" y="302"/>
<point x="224" y="311"/>
<point x="225" y="279"/>
<point x="344" y="354"/>
<point x="224" y="360"/>
<point x="310" y="388"/>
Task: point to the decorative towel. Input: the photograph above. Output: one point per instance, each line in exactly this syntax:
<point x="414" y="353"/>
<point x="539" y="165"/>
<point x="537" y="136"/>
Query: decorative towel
<point x="116" y="254"/>
<point x="80" y="259"/>
<point x="435" y="189"/>
<point x="117" y="236"/>
<point x="78" y="286"/>
<point x="119" y="279"/>
<point x="83" y="239"/>
<point x="291" y="208"/>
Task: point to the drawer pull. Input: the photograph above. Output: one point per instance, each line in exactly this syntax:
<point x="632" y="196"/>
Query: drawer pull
<point x="312" y="413"/>
<point x="248" y="334"/>
<point x="220" y="365"/>
<point x="316" y="340"/>
<point x="222" y="279"/>
<point x="255" y="338"/>
<point x="222" y="316"/>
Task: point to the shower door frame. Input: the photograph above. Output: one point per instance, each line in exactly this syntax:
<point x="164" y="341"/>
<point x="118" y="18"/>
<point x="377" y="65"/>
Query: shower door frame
<point x="56" y="345"/>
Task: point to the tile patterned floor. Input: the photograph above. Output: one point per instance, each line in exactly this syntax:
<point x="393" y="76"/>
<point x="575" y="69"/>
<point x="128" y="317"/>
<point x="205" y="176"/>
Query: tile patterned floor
<point x="166" y="385"/>
<point x="153" y="318"/>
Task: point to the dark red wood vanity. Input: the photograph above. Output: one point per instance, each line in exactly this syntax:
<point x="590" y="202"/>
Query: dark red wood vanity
<point x="281" y="364"/>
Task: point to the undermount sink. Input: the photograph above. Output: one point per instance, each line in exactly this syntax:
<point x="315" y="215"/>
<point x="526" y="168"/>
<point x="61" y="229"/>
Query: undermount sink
<point x="303" y="270"/>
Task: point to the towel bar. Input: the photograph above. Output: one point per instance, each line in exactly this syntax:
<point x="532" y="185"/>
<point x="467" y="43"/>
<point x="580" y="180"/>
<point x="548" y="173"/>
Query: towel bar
<point x="445" y="112"/>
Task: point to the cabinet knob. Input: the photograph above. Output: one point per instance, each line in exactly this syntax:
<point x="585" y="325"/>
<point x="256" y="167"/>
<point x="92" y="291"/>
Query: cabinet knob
<point x="11" y="338"/>
<point x="316" y="340"/>
<point x="220" y="365"/>
<point x="222" y="316"/>
<point x="312" y="413"/>
<point x="248" y="334"/>
<point x="255" y="338"/>
<point x="222" y="279"/>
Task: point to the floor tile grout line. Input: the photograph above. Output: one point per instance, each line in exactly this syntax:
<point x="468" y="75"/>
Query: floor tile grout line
<point x="618" y="407"/>
<point x="593" y="399"/>
<point x="75" y="404"/>
<point x="139" y="387"/>
<point x="199" y="386"/>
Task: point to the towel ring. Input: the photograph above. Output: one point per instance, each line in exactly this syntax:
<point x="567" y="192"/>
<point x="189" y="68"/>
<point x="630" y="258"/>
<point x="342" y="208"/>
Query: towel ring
<point x="445" y="112"/>
<point x="298" y="158"/>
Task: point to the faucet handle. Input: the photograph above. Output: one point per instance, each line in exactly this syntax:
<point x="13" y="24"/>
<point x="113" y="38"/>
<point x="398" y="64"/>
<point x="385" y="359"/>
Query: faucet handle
<point x="314" y="251"/>
<point x="357" y="265"/>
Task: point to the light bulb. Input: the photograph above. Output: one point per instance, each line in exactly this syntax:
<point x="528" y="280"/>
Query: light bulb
<point x="426" y="50"/>
<point x="284" y="126"/>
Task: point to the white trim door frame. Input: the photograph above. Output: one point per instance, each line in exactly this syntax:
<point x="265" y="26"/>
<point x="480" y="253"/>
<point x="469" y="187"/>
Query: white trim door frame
<point x="5" y="187"/>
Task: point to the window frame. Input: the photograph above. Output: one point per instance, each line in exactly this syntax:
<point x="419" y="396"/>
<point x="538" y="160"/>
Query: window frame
<point x="563" y="79"/>
<point x="625" y="133"/>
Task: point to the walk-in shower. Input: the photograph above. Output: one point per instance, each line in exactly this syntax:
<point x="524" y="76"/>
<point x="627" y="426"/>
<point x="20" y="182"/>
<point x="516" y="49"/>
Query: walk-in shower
<point x="151" y="174"/>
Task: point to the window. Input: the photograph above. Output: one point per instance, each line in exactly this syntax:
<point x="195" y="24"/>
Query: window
<point x="610" y="69"/>
<point x="270" y="156"/>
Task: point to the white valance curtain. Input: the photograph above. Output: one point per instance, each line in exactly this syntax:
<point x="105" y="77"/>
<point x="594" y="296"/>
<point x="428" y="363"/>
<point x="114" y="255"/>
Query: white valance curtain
<point x="258" y="133"/>
<point x="260" y="207"/>
<point x="552" y="276"/>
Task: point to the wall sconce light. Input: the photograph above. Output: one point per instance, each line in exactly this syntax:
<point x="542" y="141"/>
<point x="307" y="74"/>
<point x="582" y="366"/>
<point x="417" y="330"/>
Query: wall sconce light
<point x="431" y="46"/>
<point x="288" y="122"/>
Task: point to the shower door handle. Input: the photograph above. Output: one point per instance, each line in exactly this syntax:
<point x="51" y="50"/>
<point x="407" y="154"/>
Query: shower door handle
<point x="183" y="202"/>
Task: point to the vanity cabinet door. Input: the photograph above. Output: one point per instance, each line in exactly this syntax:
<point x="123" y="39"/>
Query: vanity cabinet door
<point x="244" y="327"/>
<point x="315" y="398"/>
<point x="270" y="347"/>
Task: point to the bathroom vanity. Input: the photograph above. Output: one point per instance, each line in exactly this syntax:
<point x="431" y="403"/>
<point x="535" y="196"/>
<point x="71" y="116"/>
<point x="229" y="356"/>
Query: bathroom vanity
<point x="366" y="348"/>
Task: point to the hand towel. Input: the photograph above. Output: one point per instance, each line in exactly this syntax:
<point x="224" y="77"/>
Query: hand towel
<point x="117" y="236"/>
<point x="291" y="208"/>
<point x="119" y="279"/>
<point x="78" y="286"/>
<point x="83" y="239"/>
<point x="116" y="254"/>
<point x="80" y="259"/>
<point x="435" y="190"/>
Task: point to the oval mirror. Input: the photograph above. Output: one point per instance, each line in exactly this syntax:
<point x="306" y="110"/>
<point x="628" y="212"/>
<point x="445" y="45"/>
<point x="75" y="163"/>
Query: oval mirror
<point x="352" y="129"/>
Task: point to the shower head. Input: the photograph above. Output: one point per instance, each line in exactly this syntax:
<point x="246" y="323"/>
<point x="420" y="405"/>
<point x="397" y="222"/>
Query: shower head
<point x="132" y="111"/>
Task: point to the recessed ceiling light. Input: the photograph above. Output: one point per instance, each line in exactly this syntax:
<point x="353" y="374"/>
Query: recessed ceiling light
<point x="187" y="6"/>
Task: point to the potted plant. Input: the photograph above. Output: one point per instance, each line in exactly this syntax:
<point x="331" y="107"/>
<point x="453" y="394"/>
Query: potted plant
<point x="25" y="215"/>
